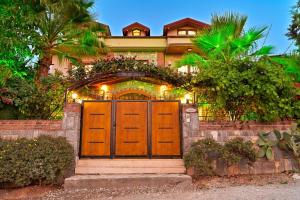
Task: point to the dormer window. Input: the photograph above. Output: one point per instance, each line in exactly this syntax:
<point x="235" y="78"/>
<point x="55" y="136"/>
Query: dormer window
<point x="191" y="32"/>
<point x="186" y="32"/>
<point x="136" y="32"/>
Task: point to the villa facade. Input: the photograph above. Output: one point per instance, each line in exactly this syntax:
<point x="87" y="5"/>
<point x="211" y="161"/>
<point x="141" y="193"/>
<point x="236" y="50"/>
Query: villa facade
<point x="138" y="42"/>
<point x="135" y="113"/>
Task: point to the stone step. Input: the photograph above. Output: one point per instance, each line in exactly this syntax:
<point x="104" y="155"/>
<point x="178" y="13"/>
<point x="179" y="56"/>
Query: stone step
<point x="130" y="170"/>
<point x="135" y="163"/>
<point x="128" y="180"/>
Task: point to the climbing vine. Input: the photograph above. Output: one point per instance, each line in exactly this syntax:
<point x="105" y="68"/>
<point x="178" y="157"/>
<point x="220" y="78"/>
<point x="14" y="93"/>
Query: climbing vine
<point x="127" y="65"/>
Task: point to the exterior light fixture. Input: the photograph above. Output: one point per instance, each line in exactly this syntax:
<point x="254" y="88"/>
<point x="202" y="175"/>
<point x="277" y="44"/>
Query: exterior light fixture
<point x="104" y="88"/>
<point x="163" y="88"/>
<point x="74" y="96"/>
<point x="187" y="98"/>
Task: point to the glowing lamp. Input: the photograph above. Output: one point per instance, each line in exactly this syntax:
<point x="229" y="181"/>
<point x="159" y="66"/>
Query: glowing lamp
<point x="186" y="98"/>
<point x="104" y="88"/>
<point x="74" y="96"/>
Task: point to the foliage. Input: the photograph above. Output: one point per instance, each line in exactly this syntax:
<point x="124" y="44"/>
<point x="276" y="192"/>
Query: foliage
<point x="31" y="101"/>
<point x="17" y="38"/>
<point x="129" y="64"/>
<point x="236" y="76"/>
<point x="291" y="65"/>
<point x="67" y="30"/>
<point x="266" y="145"/>
<point x="200" y="156"/>
<point x="289" y="141"/>
<point x="30" y="161"/>
<point x="242" y="149"/>
<point x="203" y="152"/>
<point x="44" y="28"/>
<point x="294" y="28"/>
<point x="227" y="40"/>
<point x="244" y="86"/>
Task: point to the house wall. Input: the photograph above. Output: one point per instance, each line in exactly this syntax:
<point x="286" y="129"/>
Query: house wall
<point x="59" y="65"/>
<point x="175" y="31"/>
<point x="170" y="59"/>
<point x="149" y="56"/>
<point x="143" y="33"/>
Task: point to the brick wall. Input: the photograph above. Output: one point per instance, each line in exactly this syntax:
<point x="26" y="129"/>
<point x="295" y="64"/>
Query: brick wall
<point x="69" y="127"/>
<point x="12" y="129"/>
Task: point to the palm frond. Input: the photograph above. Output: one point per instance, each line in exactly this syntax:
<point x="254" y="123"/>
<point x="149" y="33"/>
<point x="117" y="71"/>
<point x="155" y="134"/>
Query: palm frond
<point x="191" y="59"/>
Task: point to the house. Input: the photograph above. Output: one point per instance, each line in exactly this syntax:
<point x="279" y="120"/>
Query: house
<point x="135" y="114"/>
<point x="137" y="41"/>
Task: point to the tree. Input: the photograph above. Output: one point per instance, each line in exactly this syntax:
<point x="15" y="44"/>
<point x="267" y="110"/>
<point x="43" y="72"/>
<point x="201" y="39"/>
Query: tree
<point x="294" y="28"/>
<point x="227" y="40"/>
<point x="245" y="87"/>
<point x="17" y="39"/>
<point x="65" y="28"/>
<point x="237" y="77"/>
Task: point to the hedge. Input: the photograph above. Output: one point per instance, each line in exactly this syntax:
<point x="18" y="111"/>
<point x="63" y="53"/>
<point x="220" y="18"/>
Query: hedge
<point x="43" y="160"/>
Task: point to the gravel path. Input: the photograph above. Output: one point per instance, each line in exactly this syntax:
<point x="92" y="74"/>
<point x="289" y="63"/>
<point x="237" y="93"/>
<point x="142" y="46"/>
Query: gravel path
<point x="290" y="191"/>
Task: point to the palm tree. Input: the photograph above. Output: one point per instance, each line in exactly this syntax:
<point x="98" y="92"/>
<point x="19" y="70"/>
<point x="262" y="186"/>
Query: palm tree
<point x="226" y="39"/>
<point x="66" y="29"/>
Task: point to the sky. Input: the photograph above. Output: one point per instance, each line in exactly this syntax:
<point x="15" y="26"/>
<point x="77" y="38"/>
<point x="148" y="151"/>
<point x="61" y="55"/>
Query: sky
<point x="156" y="13"/>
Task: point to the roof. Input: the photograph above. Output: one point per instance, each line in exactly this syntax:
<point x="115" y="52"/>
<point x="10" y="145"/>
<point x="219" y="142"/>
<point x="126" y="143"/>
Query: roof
<point x="106" y="29"/>
<point x="184" y="22"/>
<point x="136" y="25"/>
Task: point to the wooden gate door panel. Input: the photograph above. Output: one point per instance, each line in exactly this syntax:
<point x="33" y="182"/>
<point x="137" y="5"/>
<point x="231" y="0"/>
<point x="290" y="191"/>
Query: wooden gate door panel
<point x="96" y="129"/>
<point x="131" y="128"/>
<point x="165" y="129"/>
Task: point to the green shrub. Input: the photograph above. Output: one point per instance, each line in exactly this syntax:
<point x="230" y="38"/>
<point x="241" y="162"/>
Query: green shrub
<point x="201" y="155"/>
<point x="241" y="149"/>
<point x="30" y="161"/>
<point x="203" y="152"/>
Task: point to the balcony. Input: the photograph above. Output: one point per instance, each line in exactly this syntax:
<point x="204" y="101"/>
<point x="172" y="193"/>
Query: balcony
<point x="180" y="45"/>
<point x="136" y="43"/>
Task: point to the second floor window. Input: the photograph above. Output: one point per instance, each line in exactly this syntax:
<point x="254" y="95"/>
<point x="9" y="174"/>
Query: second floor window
<point x="136" y="32"/>
<point x="187" y="32"/>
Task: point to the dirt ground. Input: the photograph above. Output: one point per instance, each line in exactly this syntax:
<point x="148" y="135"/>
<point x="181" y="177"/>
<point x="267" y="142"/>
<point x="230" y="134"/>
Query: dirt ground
<point x="267" y="187"/>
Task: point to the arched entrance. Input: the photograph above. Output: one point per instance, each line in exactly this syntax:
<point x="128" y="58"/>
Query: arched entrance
<point x="129" y="117"/>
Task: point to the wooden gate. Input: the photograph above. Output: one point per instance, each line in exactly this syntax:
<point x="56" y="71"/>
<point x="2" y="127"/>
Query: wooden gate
<point x="96" y="129"/>
<point x="165" y="129"/>
<point x="131" y="128"/>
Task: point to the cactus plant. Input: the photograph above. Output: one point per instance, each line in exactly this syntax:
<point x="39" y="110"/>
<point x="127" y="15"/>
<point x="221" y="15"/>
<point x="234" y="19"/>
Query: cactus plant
<point x="289" y="141"/>
<point x="265" y="146"/>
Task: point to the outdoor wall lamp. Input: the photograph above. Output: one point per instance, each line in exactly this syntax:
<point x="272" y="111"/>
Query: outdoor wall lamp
<point x="103" y="90"/>
<point x="74" y="97"/>
<point x="187" y="98"/>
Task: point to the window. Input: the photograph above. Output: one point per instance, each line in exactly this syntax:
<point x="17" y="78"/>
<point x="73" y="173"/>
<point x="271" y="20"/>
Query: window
<point x="188" y="69"/>
<point x="191" y="32"/>
<point x="182" y="32"/>
<point x="186" y="32"/>
<point x="136" y="32"/>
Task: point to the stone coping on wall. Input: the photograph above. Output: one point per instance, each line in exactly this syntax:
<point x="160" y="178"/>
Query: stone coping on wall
<point x="248" y="125"/>
<point x="31" y="125"/>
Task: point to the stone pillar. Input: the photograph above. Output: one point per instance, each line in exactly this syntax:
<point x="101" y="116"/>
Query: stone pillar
<point x="190" y="125"/>
<point x="71" y="125"/>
